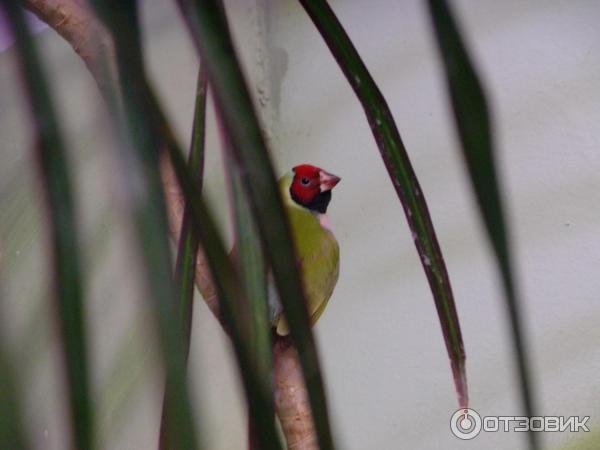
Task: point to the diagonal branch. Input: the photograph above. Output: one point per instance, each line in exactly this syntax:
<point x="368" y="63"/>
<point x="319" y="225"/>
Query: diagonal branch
<point x="91" y="41"/>
<point x="80" y="28"/>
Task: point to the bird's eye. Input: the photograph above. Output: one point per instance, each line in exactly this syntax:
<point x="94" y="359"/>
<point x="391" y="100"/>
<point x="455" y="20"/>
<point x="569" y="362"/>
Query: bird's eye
<point x="305" y="181"/>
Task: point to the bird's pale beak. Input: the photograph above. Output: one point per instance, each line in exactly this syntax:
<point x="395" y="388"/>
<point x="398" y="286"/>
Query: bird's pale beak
<point x="328" y="180"/>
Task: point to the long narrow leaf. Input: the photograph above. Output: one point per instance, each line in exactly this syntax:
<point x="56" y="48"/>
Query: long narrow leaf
<point x="253" y="273"/>
<point x="475" y="130"/>
<point x="149" y="213"/>
<point x="11" y="430"/>
<point x="209" y="29"/>
<point x="403" y="178"/>
<point x="56" y="182"/>
<point x="232" y="302"/>
<point x="225" y="279"/>
<point x="11" y="424"/>
<point x="251" y="266"/>
<point x="185" y="267"/>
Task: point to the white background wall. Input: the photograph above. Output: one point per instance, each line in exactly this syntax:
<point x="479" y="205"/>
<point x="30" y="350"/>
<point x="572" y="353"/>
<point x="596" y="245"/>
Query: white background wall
<point x="385" y="363"/>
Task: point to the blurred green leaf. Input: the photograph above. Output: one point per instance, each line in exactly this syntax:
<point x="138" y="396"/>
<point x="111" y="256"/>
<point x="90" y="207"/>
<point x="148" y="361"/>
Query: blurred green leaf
<point x="209" y="29"/>
<point x="185" y="267"/>
<point x="234" y="310"/>
<point x="55" y="178"/>
<point x="11" y="430"/>
<point x="474" y="126"/>
<point x="403" y="177"/>
<point x="130" y="365"/>
<point x="247" y="253"/>
<point x="145" y="113"/>
<point x="253" y="271"/>
<point x="141" y="161"/>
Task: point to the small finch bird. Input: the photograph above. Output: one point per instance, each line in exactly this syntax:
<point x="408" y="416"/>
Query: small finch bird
<point x="306" y="192"/>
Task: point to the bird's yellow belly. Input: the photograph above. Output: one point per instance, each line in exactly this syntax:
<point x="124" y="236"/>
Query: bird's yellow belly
<point x="318" y="259"/>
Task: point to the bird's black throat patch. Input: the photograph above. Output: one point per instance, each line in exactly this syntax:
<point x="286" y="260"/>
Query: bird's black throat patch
<point x="319" y="204"/>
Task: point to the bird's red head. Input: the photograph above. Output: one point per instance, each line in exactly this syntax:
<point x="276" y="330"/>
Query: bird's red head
<point x="311" y="187"/>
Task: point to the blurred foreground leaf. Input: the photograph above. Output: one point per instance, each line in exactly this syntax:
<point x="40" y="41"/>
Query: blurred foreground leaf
<point x="141" y="162"/>
<point x="11" y="430"/>
<point x="50" y="155"/>
<point x="474" y="126"/>
<point x="185" y="266"/>
<point x="233" y="306"/>
<point x="250" y="262"/>
<point x="150" y="128"/>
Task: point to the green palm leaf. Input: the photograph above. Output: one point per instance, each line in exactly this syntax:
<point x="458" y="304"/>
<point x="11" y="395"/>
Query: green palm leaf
<point x="141" y="161"/>
<point x="475" y="130"/>
<point x="11" y="429"/>
<point x="403" y="177"/>
<point x="185" y="266"/>
<point x="50" y="154"/>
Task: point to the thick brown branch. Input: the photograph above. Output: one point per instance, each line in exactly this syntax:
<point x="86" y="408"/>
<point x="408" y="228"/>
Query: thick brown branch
<point x="291" y="398"/>
<point x="73" y="20"/>
<point x="75" y="23"/>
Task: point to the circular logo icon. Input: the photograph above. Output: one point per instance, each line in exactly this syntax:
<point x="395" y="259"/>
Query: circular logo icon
<point x="465" y="423"/>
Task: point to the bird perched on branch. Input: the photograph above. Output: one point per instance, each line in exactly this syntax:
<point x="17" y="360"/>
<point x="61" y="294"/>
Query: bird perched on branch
<point x="306" y="192"/>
